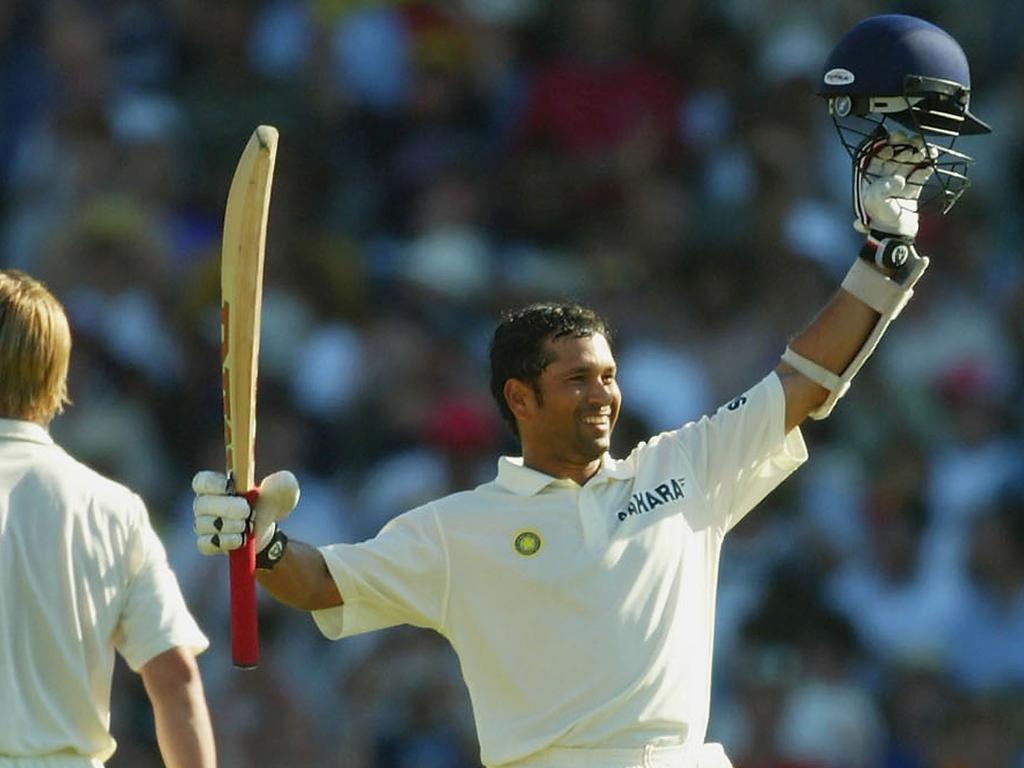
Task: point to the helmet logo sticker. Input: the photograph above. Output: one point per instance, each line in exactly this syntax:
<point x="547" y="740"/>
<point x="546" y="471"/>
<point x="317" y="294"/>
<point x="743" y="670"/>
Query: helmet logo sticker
<point x="839" y="76"/>
<point x="842" y="105"/>
<point x="527" y="543"/>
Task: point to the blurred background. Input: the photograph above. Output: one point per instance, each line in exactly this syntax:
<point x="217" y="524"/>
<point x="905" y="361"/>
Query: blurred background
<point x="665" y="161"/>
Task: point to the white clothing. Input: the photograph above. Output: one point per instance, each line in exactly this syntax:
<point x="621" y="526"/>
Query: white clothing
<point x="602" y="636"/>
<point x="648" y="756"/>
<point x="50" y="761"/>
<point x="82" y="574"/>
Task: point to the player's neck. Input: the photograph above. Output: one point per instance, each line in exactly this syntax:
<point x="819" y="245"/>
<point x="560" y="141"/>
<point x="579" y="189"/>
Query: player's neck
<point x="562" y="469"/>
<point x="44" y="423"/>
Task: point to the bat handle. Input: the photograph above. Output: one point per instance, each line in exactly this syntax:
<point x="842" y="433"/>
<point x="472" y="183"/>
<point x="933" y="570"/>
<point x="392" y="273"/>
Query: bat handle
<point x="245" y="644"/>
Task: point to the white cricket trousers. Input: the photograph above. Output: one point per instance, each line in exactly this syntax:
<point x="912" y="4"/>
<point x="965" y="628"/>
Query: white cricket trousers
<point x="650" y="756"/>
<point x="50" y="761"/>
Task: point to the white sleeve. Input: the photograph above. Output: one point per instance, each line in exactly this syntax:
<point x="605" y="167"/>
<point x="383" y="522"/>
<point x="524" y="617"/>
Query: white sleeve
<point x="154" y="617"/>
<point x="742" y="453"/>
<point x="398" y="577"/>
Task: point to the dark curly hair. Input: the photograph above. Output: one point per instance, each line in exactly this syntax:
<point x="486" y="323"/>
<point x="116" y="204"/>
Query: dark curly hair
<point x="517" y="348"/>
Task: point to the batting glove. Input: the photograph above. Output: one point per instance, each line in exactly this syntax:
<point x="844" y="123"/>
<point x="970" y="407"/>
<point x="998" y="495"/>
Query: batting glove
<point x="224" y="519"/>
<point x="889" y="173"/>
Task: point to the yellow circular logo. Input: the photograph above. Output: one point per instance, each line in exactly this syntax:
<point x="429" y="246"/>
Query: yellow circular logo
<point x="527" y="543"/>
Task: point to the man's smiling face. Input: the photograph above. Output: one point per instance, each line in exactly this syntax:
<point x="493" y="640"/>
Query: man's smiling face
<point x="575" y="403"/>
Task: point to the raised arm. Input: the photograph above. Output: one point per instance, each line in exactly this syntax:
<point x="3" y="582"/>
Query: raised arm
<point x="183" y="728"/>
<point x="821" y="361"/>
<point x="832" y="340"/>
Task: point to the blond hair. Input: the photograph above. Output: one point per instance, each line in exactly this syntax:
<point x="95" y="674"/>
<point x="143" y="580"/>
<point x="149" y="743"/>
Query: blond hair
<point x="35" y="347"/>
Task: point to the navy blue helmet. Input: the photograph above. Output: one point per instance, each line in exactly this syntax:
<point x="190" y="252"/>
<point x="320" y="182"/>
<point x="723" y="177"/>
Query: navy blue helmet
<point x="908" y="71"/>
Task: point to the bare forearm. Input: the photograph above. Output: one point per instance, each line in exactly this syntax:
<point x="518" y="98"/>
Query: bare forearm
<point x="301" y="579"/>
<point x="832" y="340"/>
<point x="837" y="334"/>
<point x="183" y="729"/>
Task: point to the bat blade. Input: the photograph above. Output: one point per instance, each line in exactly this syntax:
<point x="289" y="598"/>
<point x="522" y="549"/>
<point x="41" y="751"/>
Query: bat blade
<point x="242" y="252"/>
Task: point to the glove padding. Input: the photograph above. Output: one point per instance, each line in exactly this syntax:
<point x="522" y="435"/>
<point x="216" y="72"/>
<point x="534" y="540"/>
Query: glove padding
<point x="889" y="173"/>
<point x="223" y="519"/>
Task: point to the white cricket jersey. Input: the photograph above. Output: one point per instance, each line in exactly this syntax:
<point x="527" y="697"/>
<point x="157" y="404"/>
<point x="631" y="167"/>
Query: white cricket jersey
<point x="582" y="616"/>
<point x="82" y="573"/>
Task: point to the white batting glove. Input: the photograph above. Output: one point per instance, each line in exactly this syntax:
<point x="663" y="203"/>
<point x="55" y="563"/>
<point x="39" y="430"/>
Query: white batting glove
<point x="222" y="520"/>
<point x="889" y="173"/>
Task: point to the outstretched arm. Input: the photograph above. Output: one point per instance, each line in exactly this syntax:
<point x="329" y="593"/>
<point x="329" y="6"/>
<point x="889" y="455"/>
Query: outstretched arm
<point x="183" y="728"/>
<point x="299" y="577"/>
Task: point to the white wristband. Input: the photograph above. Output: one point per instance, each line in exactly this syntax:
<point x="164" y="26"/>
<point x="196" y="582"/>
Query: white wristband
<point x="883" y="294"/>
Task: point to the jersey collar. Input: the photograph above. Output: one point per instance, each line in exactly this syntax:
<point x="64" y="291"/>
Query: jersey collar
<point x="520" y="479"/>
<point x="29" y="431"/>
<point x="523" y="480"/>
<point x="616" y="469"/>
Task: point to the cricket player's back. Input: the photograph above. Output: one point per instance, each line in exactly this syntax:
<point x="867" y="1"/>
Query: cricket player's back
<point x="78" y="561"/>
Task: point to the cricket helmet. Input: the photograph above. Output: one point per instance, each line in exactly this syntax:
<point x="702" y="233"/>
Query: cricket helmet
<point x="905" y="70"/>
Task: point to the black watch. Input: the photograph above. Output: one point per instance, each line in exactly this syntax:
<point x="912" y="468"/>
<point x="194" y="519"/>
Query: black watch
<point x="271" y="554"/>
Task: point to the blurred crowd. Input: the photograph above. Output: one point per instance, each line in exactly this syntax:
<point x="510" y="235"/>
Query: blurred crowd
<point x="665" y="161"/>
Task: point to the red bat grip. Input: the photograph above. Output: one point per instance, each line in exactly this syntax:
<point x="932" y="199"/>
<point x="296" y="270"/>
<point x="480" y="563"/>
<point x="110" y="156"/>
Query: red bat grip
<point x="245" y="642"/>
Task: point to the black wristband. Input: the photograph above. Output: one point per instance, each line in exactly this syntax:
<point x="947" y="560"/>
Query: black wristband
<point x="887" y="251"/>
<point x="271" y="554"/>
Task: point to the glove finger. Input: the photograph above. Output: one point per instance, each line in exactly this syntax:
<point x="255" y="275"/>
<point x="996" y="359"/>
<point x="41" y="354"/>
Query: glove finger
<point x="899" y="137"/>
<point x="882" y="209"/>
<point x="881" y="163"/>
<point x="279" y="493"/>
<point x="207" y="526"/>
<point x="228" y="507"/>
<point x="904" y="166"/>
<point x="209" y="482"/>
<point x="901" y="154"/>
<point x="218" y="544"/>
<point x="920" y="176"/>
<point x="904" y="144"/>
<point x="909" y="153"/>
<point x="884" y="188"/>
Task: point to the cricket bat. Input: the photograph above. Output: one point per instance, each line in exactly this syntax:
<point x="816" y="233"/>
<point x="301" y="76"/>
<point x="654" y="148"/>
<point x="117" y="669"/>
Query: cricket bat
<point x="245" y="232"/>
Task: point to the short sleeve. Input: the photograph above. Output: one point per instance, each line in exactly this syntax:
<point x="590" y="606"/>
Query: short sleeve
<point x="742" y="453"/>
<point x="155" y="617"/>
<point x="398" y="577"/>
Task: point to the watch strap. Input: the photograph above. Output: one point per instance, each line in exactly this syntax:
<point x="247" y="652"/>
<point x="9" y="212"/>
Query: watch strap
<point x="271" y="554"/>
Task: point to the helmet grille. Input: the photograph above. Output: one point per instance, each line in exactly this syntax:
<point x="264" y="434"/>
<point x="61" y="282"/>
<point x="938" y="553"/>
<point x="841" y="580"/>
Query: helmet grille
<point x="857" y="119"/>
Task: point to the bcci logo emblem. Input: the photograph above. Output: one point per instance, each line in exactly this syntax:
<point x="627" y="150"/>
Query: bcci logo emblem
<point x="527" y="543"/>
